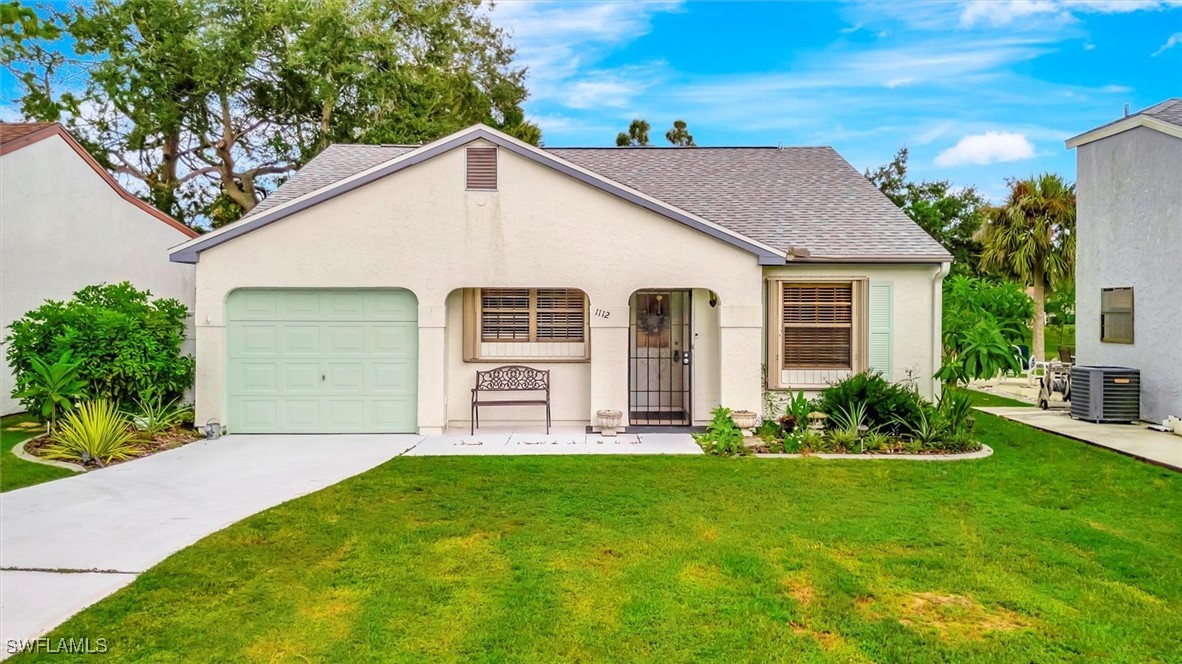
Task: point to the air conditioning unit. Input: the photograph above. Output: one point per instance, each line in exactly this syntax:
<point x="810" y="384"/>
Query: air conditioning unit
<point x="1106" y="394"/>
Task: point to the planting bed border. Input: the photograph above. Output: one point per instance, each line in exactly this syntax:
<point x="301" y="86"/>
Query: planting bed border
<point x="982" y="453"/>
<point x="19" y="450"/>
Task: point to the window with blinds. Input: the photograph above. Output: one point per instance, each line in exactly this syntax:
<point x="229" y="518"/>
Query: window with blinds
<point x="818" y="326"/>
<point x="1116" y="315"/>
<point x="482" y="169"/>
<point x="533" y="314"/>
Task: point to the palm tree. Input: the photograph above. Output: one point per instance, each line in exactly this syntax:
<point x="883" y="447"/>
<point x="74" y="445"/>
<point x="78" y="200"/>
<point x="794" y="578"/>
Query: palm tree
<point x="1031" y="238"/>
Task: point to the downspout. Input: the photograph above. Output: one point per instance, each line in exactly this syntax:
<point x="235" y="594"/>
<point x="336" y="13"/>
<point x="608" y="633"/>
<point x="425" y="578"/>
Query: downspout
<point x="938" y="323"/>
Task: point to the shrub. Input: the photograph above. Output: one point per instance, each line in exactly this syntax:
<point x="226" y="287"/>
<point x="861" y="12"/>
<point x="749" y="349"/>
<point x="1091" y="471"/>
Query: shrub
<point x="154" y="416"/>
<point x="126" y="345"/>
<point x="95" y="432"/>
<point x="723" y="437"/>
<point x="877" y="441"/>
<point x="886" y="404"/>
<point x="929" y="431"/>
<point x="813" y="441"/>
<point x="51" y="388"/>
<point x="842" y="440"/>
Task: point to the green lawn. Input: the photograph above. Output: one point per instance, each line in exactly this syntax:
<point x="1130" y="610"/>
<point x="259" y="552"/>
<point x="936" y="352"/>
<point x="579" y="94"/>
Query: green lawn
<point x="1049" y="550"/>
<point x="1053" y="338"/>
<point x="14" y="471"/>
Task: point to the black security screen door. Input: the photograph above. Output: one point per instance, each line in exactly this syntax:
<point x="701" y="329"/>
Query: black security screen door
<point x="659" y="364"/>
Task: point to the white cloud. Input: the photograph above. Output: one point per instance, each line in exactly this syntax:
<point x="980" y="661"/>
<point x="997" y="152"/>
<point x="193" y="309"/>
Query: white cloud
<point x="851" y="29"/>
<point x="997" y="12"/>
<point x="1089" y="46"/>
<point x="988" y="148"/>
<point x="1174" y="40"/>
<point x="899" y="82"/>
<point x="559" y="41"/>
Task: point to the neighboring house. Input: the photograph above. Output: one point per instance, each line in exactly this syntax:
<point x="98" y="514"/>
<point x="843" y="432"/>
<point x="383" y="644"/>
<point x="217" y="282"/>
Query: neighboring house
<point x="1128" y="284"/>
<point x="366" y="292"/>
<point x="65" y="224"/>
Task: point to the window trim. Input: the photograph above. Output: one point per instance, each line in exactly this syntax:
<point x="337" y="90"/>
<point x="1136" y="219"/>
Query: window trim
<point x="774" y="336"/>
<point x="473" y="337"/>
<point x="1131" y="313"/>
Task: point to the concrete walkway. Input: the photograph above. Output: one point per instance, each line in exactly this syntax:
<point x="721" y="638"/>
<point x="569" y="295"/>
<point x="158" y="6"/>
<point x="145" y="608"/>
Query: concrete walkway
<point x="1134" y="440"/>
<point x="68" y="543"/>
<point x="508" y="440"/>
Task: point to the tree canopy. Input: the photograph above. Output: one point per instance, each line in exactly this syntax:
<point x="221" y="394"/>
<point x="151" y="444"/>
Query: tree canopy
<point x="637" y="134"/>
<point x="951" y="216"/>
<point x="1031" y="238"/>
<point x="679" y="135"/>
<point x="205" y="105"/>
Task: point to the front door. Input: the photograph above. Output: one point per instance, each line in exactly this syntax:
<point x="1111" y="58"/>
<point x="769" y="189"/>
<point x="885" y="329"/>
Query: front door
<point x="659" y="358"/>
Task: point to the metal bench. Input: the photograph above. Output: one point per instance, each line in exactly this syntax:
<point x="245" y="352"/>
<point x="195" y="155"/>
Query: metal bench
<point x="510" y="378"/>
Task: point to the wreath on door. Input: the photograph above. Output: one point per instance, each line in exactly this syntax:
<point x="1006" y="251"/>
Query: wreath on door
<point x="653" y="320"/>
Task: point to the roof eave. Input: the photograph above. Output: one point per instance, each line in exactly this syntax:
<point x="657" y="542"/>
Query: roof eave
<point x="1121" y="126"/>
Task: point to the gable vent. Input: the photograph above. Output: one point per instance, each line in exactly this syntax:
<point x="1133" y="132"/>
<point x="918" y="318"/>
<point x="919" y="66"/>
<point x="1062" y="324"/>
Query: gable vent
<point x="482" y="169"/>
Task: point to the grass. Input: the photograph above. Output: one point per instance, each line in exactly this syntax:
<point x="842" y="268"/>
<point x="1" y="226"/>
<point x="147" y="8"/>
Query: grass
<point x="987" y="399"/>
<point x="15" y="472"/>
<point x="1053" y="338"/>
<point x="1049" y="550"/>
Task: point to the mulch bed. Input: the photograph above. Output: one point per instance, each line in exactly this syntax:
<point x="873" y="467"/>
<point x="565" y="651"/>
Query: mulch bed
<point x="144" y="446"/>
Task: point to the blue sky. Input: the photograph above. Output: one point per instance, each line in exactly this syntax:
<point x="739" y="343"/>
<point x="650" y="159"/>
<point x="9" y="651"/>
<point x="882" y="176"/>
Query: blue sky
<point x="979" y="91"/>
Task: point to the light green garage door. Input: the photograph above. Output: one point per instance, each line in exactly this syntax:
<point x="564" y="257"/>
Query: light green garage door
<point x="322" y="361"/>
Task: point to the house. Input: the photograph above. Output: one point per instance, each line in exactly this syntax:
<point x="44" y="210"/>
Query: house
<point x="65" y="223"/>
<point x="366" y="292"/>
<point x="1129" y="251"/>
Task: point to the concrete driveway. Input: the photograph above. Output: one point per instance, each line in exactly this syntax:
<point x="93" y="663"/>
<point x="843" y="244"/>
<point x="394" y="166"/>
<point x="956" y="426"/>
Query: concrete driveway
<point x="67" y="544"/>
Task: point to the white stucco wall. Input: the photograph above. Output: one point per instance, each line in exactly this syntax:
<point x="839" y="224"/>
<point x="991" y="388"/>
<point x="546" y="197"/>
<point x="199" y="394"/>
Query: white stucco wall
<point x="1129" y="225"/>
<point x="62" y="227"/>
<point x="420" y="229"/>
<point x="915" y="343"/>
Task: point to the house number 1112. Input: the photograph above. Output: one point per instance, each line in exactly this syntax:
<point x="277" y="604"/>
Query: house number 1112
<point x="603" y="313"/>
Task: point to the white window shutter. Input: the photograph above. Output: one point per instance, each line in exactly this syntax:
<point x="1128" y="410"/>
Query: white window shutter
<point x="882" y="323"/>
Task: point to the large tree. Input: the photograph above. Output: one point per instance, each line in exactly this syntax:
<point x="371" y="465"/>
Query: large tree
<point x="952" y="216"/>
<point x="1031" y="238"/>
<point x="205" y="105"/>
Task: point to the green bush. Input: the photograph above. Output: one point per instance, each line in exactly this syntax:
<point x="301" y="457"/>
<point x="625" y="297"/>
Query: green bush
<point x="885" y="403"/>
<point x="723" y="437"/>
<point x="95" y="432"/>
<point x="126" y="344"/>
<point x="51" y="388"/>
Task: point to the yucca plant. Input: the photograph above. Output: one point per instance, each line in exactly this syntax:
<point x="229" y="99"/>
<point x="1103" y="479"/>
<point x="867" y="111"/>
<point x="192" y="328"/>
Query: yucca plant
<point x="929" y="430"/>
<point x="94" y="432"/>
<point x="154" y="416"/>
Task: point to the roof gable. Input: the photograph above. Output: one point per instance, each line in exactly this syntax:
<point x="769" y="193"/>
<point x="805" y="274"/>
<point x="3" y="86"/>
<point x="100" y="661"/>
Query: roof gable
<point x="190" y="251"/>
<point x="17" y="135"/>
<point x="1165" y="117"/>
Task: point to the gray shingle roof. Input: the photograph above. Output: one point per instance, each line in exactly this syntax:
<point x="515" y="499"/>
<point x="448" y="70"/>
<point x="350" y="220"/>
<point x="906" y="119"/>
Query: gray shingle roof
<point x="808" y="198"/>
<point x="1169" y="110"/>
<point x="789" y="197"/>
<point x="335" y="162"/>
